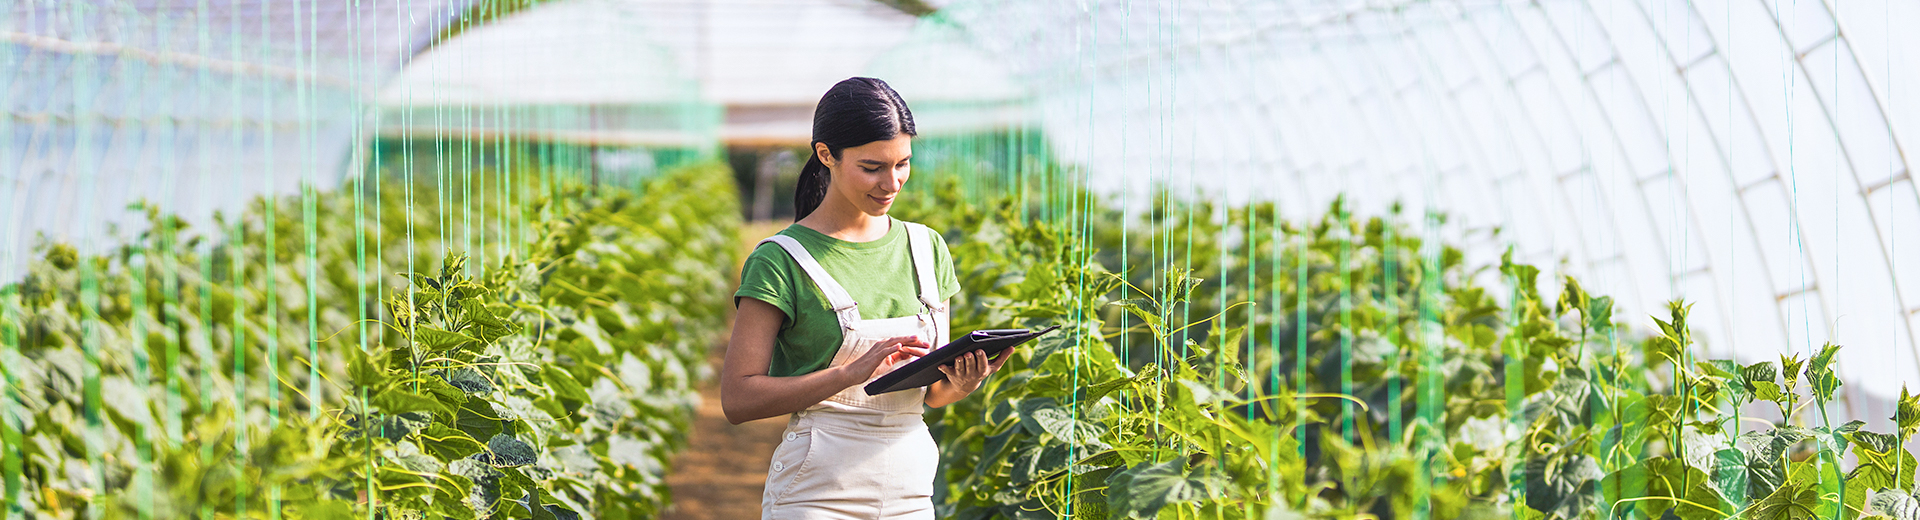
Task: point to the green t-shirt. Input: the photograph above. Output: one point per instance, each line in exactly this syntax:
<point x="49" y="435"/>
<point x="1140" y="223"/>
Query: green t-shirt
<point x="878" y="275"/>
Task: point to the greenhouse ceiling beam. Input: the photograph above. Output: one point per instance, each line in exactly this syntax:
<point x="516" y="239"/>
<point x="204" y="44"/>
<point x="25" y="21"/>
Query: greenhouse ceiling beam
<point x="237" y="68"/>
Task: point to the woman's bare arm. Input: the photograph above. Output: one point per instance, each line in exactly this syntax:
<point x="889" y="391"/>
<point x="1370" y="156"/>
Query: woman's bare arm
<point x="746" y="391"/>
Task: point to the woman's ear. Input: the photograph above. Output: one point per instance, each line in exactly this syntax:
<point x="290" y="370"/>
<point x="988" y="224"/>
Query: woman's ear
<point x="826" y="156"/>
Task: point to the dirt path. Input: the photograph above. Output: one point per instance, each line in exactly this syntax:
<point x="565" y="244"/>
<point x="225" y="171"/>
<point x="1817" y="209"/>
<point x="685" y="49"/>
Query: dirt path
<point x="724" y="468"/>
<point x="722" y="471"/>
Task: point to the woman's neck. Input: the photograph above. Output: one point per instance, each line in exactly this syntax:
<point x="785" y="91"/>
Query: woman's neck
<point x="838" y="219"/>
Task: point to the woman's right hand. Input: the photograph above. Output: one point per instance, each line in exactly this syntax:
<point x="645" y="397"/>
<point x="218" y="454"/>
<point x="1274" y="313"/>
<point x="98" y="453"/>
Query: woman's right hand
<point x="886" y="355"/>
<point x="746" y="391"/>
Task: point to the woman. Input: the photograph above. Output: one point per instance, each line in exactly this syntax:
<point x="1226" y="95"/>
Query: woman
<point x="841" y="297"/>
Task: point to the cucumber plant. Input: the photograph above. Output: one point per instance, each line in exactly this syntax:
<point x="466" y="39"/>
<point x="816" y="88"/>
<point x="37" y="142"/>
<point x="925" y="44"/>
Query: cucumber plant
<point x="1343" y="368"/>
<point x="223" y="374"/>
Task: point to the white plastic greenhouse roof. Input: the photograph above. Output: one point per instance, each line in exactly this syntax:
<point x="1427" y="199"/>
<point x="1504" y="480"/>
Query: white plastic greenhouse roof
<point x="764" y="62"/>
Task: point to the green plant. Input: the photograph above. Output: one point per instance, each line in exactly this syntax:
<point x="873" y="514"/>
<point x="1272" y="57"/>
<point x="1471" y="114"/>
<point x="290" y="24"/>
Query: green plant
<point x="1345" y="367"/>
<point x="234" y="375"/>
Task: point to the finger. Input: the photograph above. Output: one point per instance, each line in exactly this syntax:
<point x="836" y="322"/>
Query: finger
<point x="914" y="351"/>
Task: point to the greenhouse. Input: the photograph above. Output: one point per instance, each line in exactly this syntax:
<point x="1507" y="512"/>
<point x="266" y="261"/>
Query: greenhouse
<point x="489" y="259"/>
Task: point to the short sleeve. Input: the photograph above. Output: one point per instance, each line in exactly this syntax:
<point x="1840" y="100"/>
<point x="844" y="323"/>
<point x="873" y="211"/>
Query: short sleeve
<point x="767" y="276"/>
<point x="949" y="283"/>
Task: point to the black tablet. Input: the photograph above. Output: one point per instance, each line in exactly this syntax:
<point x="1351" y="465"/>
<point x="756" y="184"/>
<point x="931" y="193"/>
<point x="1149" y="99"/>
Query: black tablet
<point x="923" y="371"/>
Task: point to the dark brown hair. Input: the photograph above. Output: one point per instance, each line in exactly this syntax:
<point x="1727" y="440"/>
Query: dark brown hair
<point x="856" y="111"/>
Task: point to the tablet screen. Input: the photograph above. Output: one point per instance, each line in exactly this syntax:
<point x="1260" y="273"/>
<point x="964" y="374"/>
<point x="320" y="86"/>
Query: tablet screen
<point x="925" y="371"/>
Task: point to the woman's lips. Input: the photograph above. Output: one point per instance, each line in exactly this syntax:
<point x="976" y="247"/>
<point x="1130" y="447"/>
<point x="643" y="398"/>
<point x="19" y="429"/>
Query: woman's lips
<point x="881" y="201"/>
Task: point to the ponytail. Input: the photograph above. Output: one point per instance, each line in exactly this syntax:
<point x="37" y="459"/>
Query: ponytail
<point x="813" y="186"/>
<point x="856" y="111"/>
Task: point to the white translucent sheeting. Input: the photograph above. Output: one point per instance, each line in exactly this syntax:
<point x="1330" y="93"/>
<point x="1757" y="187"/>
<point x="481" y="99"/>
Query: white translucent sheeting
<point x="578" y="52"/>
<point x="765" y="62"/>
<point x="1746" y="155"/>
<point x="579" y="70"/>
<point x="195" y="106"/>
<point x="952" y="85"/>
<point x="767" y="52"/>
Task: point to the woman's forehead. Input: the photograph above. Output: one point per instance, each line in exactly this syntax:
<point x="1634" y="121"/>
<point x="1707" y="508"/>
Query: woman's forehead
<point x="891" y="150"/>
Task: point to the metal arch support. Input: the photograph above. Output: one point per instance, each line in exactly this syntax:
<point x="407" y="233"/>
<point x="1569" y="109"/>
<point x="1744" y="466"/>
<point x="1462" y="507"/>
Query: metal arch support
<point x="1588" y="8"/>
<point x="1899" y="149"/>
<point x="1486" y="171"/>
<point x="1827" y="113"/>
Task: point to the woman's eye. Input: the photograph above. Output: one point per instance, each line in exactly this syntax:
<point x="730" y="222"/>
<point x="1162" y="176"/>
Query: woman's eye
<point x="869" y="170"/>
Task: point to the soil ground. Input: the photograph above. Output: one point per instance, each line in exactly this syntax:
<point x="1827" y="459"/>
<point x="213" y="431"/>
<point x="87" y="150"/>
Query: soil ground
<point x="721" y="473"/>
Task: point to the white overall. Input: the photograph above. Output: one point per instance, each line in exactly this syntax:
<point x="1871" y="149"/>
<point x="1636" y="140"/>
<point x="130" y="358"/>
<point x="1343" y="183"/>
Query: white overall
<point x="856" y="456"/>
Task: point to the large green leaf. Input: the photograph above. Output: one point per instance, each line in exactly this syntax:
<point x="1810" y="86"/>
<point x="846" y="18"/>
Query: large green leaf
<point x="436" y="340"/>
<point x="1882" y="464"/>
<point x="1793" y="501"/>
<point x="1730" y="475"/>
<point x="1737" y="389"/>
<point x="1043" y="415"/>
<point x="1766" y="453"/>
<point x="505" y="451"/>
<point x="1811" y="491"/>
<point x="1563" y="485"/>
<point x="486" y="493"/>
<point x="366" y="370"/>
<point x="449" y="444"/>
<point x="565" y="386"/>
<point x="399" y="401"/>
<point x="1140" y="491"/>
<point x="467" y="380"/>
<point x="1893" y="504"/>
<point x="1764" y="371"/>
<point x="1651" y="487"/>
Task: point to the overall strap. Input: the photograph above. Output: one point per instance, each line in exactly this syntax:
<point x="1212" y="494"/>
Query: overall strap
<point x="843" y="304"/>
<point x="920" y="243"/>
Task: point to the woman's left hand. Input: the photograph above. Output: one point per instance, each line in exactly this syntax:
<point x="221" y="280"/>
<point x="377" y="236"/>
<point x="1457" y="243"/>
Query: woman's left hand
<point x="968" y="371"/>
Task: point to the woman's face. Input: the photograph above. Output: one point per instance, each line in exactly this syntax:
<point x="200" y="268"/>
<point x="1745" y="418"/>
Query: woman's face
<point x="869" y="175"/>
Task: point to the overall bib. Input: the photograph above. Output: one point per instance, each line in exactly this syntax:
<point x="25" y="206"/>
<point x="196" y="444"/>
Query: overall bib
<point x="855" y="456"/>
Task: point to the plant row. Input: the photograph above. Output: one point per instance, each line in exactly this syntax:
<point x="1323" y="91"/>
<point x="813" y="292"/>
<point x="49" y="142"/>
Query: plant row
<point x="1228" y="363"/>
<point x="340" y="354"/>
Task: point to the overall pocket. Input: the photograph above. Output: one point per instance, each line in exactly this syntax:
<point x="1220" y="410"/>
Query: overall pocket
<point x="789" y="460"/>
